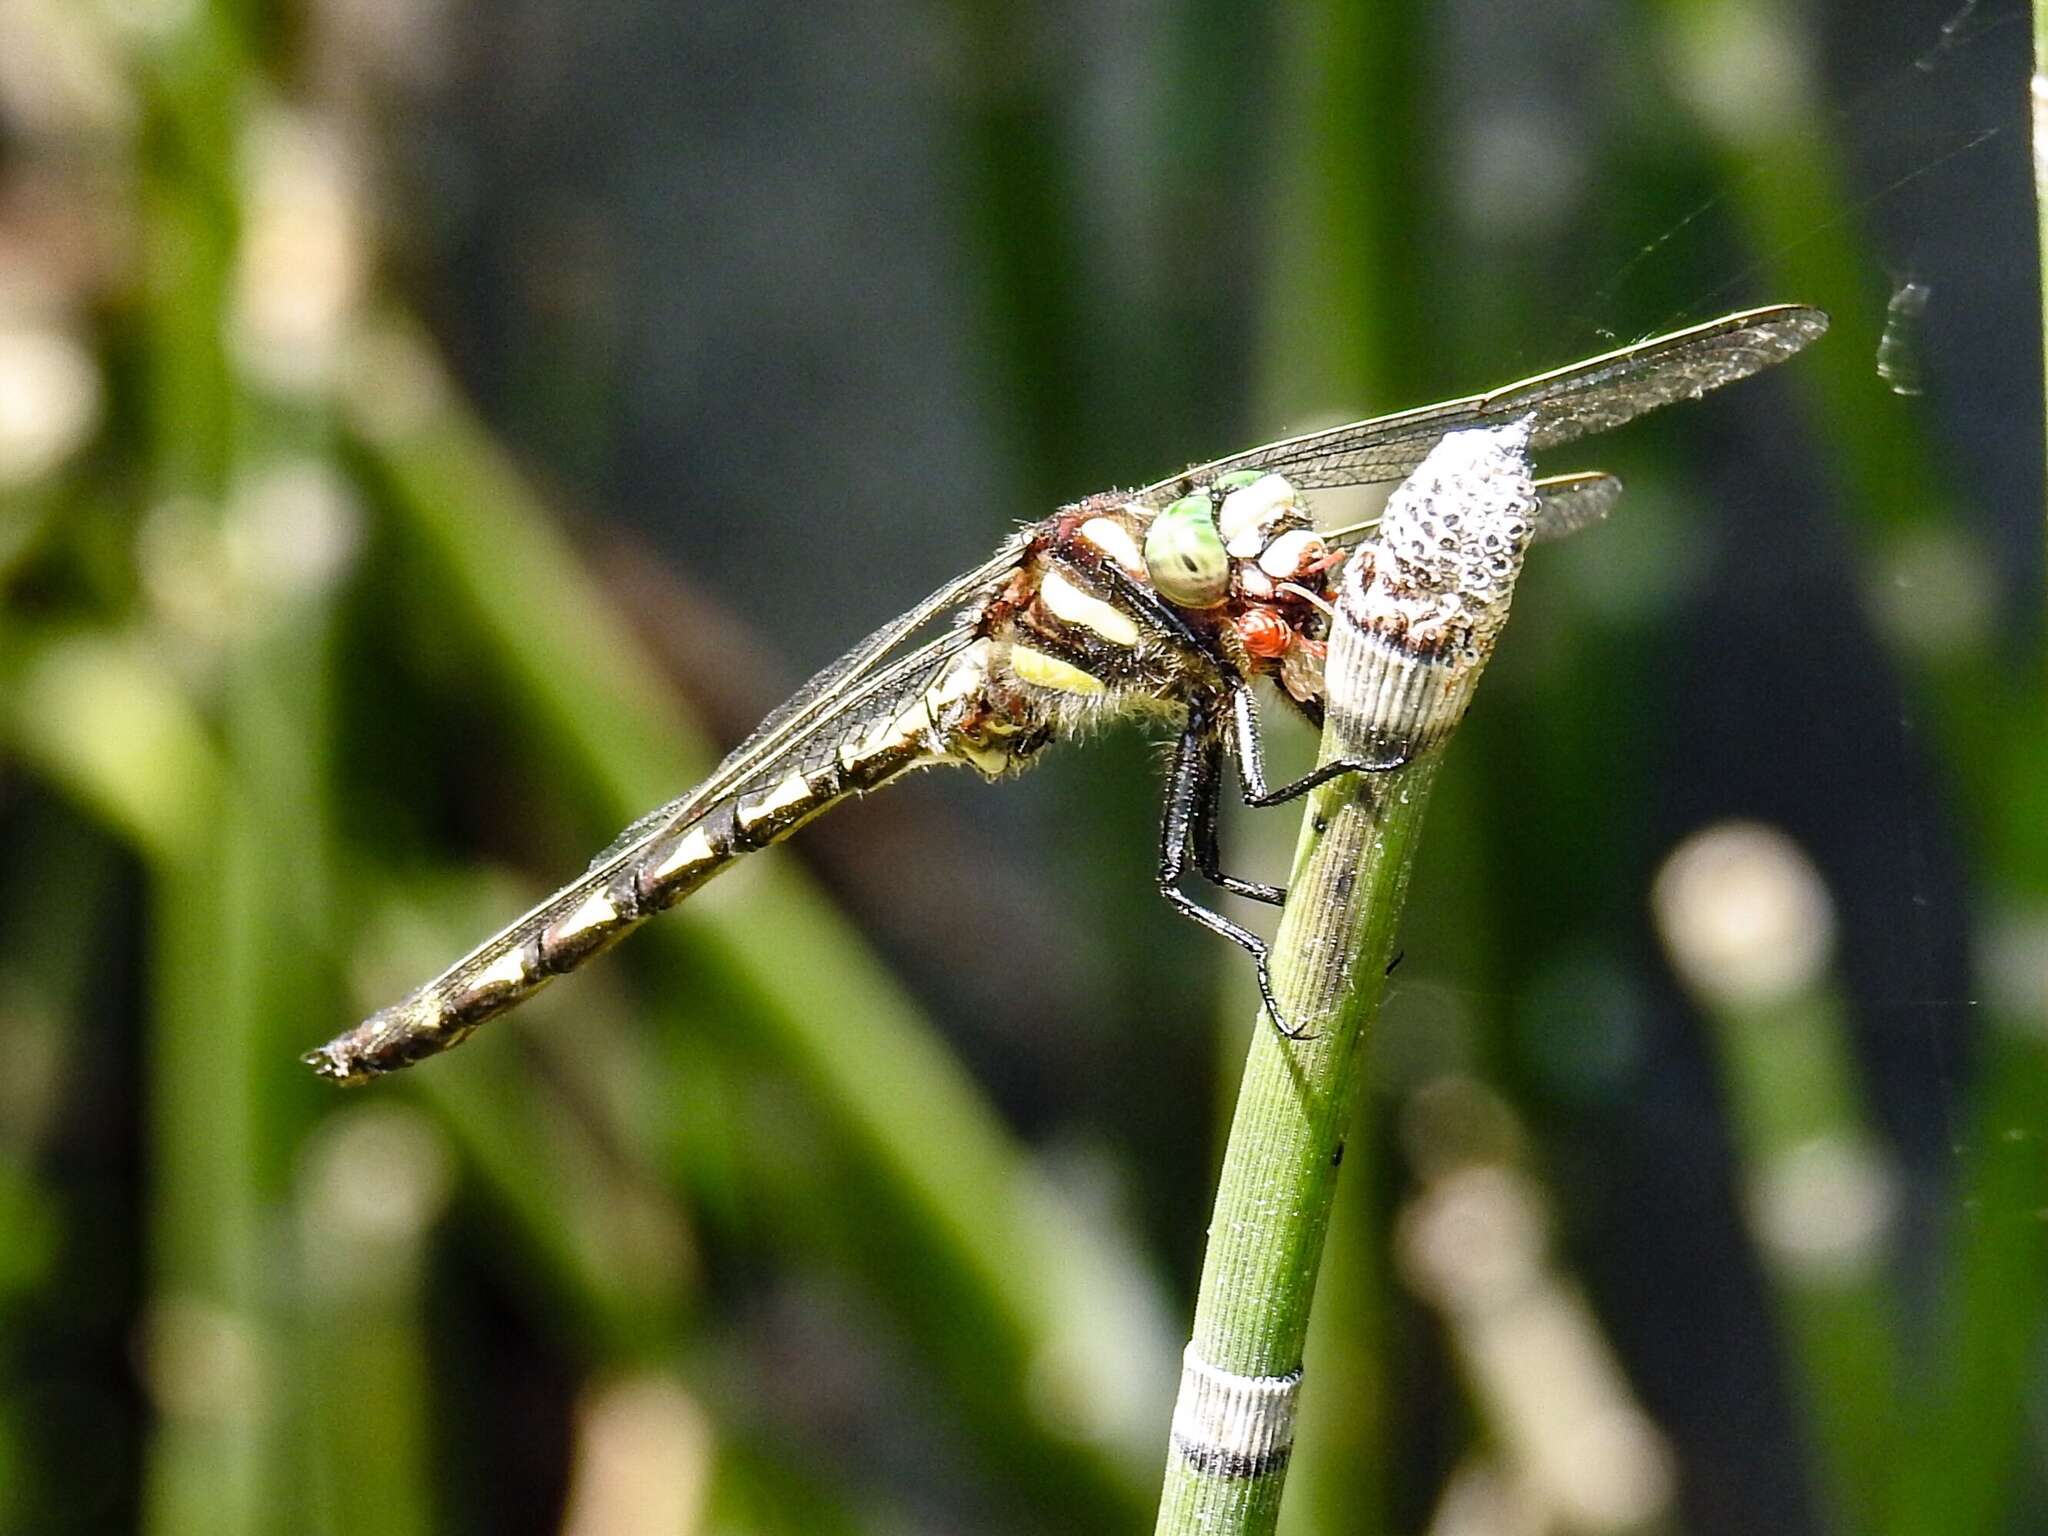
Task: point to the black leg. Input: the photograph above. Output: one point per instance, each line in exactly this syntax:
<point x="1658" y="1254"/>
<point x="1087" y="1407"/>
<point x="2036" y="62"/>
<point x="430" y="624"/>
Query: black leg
<point x="1251" y="757"/>
<point x="1183" y="793"/>
<point x="1208" y="858"/>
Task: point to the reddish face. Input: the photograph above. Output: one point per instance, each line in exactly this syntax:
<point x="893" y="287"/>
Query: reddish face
<point x="1266" y="635"/>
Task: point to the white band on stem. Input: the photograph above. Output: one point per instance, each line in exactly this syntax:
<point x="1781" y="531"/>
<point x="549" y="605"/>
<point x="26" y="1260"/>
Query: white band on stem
<point x="1233" y="1426"/>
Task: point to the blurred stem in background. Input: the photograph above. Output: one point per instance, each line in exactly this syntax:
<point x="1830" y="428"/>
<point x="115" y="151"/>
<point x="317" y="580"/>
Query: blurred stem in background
<point x="2037" y="124"/>
<point x="215" y="1365"/>
<point x="1750" y="927"/>
<point x="1568" y="1446"/>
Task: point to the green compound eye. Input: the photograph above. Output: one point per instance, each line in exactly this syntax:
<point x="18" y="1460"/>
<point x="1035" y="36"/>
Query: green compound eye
<point x="1185" y="556"/>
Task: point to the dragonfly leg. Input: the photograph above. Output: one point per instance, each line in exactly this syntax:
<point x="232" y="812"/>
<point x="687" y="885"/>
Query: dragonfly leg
<point x="1203" y="827"/>
<point x="1176" y="829"/>
<point x="1247" y="742"/>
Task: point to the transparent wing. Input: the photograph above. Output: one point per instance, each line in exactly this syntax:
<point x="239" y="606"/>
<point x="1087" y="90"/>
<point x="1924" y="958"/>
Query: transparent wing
<point x="1567" y="503"/>
<point x="839" y="689"/>
<point x="1564" y="505"/>
<point x="1566" y="403"/>
<point x="820" y="695"/>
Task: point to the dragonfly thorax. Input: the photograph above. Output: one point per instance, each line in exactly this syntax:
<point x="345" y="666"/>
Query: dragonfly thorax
<point x="975" y="721"/>
<point x="1120" y="607"/>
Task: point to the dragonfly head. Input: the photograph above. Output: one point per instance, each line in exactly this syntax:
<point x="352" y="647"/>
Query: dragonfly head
<point x="1242" y="535"/>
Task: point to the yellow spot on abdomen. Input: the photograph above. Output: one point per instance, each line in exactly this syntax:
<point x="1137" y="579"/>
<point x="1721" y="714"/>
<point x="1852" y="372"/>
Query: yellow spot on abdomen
<point x="594" y="913"/>
<point x="691" y="849"/>
<point x="508" y="970"/>
<point x="793" y="790"/>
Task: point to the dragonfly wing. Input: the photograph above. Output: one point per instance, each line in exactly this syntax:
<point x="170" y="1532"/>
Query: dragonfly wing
<point x="818" y="700"/>
<point x="1572" y="502"/>
<point x="1604" y="392"/>
<point x="1566" y="403"/>
<point x="1369" y="452"/>
<point x="1565" y="504"/>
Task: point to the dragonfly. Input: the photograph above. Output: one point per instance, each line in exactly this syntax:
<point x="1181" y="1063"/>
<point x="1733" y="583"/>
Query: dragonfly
<point x="1167" y="604"/>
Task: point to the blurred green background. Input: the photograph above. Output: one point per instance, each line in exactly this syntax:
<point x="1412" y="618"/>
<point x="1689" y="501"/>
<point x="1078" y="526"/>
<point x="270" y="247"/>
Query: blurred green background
<point x="430" y="429"/>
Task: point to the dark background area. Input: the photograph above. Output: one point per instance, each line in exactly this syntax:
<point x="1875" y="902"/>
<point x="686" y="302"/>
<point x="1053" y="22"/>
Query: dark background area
<point x="470" y="393"/>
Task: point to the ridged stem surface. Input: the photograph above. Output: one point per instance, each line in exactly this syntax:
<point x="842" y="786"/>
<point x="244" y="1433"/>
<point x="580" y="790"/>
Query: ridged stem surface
<point x="1287" y="1138"/>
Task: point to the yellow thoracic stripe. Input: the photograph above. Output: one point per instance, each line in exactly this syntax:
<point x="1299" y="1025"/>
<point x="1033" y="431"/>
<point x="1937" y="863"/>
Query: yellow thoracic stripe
<point x="1069" y="604"/>
<point x="1050" y="672"/>
<point x="1115" y="541"/>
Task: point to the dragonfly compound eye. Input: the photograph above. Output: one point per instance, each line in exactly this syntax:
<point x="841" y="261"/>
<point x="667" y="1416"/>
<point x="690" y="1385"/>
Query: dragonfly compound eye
<point x="1252" y="508"/>
<point x="1185" y="556"/>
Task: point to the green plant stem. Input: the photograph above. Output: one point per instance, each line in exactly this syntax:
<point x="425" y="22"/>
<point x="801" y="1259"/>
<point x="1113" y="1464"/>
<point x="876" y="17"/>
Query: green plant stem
<point x="1789" y="1070"/>
<point x="1293" y="1113"/>
<point x="2038" y="100"/>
